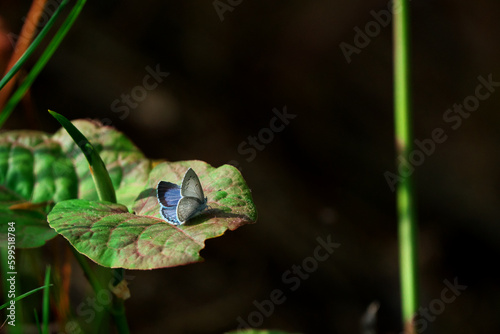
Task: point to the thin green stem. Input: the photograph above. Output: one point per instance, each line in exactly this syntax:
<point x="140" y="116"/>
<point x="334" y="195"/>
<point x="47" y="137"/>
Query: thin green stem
<point x="119" y="316"/>
<point x="92" y="278"/>
<point x="42" y="61"/>
<point x="407" y="226"/>
<point x="117" y="309"/>
<point x="106" y="192"/>
<point x="46" y="300"/>
<point x="37" y="322"/>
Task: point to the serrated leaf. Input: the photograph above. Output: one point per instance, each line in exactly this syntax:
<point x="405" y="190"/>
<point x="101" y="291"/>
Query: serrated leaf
<point x="112" y="237"/>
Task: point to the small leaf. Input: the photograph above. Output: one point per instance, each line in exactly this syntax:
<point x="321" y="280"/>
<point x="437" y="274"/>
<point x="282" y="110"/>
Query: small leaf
<point x="111" y="236"/>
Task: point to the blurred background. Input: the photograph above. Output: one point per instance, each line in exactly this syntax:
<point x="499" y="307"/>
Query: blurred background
<point x="321" y="176"/>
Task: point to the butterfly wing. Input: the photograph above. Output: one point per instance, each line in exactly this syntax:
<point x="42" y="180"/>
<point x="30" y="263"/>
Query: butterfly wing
<point x="168" y="194"/>
<point x="191" y="186"/>
<point x="188" y="207"/>
<point x="169" y="214"/>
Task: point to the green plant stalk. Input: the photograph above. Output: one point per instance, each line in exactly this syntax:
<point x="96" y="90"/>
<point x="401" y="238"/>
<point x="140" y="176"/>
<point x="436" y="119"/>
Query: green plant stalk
<point x="42" y="61"/>
<point x="33" y="46"/>
<point x="119" y="316"/>
<point x="46" y="300"/>
<point x="106" y="192"/>
<point x="407" y="226"/>
<point x="117" y="310"/>
<point x="92" y="278"/>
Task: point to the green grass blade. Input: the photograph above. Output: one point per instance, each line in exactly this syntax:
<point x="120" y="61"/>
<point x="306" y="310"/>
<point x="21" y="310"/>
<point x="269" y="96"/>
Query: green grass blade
<point x="407" y="226"/>
<point x="40" y="64"/>
<point x="37" y="322"/>
<point x="98" y="170"/>
<point x="24" y="295"/>
<point x="33" y="46"/>
<point x="46" y="299"/>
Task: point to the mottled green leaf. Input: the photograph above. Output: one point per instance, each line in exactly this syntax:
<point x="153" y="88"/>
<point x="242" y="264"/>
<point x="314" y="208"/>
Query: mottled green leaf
<point x="40" y="168"/>
<point x="111" y="236"/>
<point x="31" y="228"/>
<point x="30" y="165"/>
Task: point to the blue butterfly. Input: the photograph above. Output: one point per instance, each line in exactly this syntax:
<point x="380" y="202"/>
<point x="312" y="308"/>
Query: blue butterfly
<point x="178" y="204"/>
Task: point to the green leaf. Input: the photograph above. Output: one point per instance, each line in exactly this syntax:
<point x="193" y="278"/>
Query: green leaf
<point x="31" y="227"/>
<point x="111" y="236"/>
<point x="35" y="167"/>
<point x="224" y="187"/>
<point x="30" y="164"/>
<point x="38" y="170"/>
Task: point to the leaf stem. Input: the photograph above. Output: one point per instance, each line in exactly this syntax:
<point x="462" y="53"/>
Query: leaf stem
<point x="117" y="310"/>
<point x="106" y="192"/>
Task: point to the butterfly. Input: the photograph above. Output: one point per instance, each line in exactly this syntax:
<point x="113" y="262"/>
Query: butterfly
<point x="178" y="204"/>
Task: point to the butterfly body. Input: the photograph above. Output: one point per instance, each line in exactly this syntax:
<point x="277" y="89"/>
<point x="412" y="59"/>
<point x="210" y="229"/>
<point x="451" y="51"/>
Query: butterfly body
<point x="180" y="203"/>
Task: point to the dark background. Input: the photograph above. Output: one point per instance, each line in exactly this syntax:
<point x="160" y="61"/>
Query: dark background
<point x="323" y="175"/>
